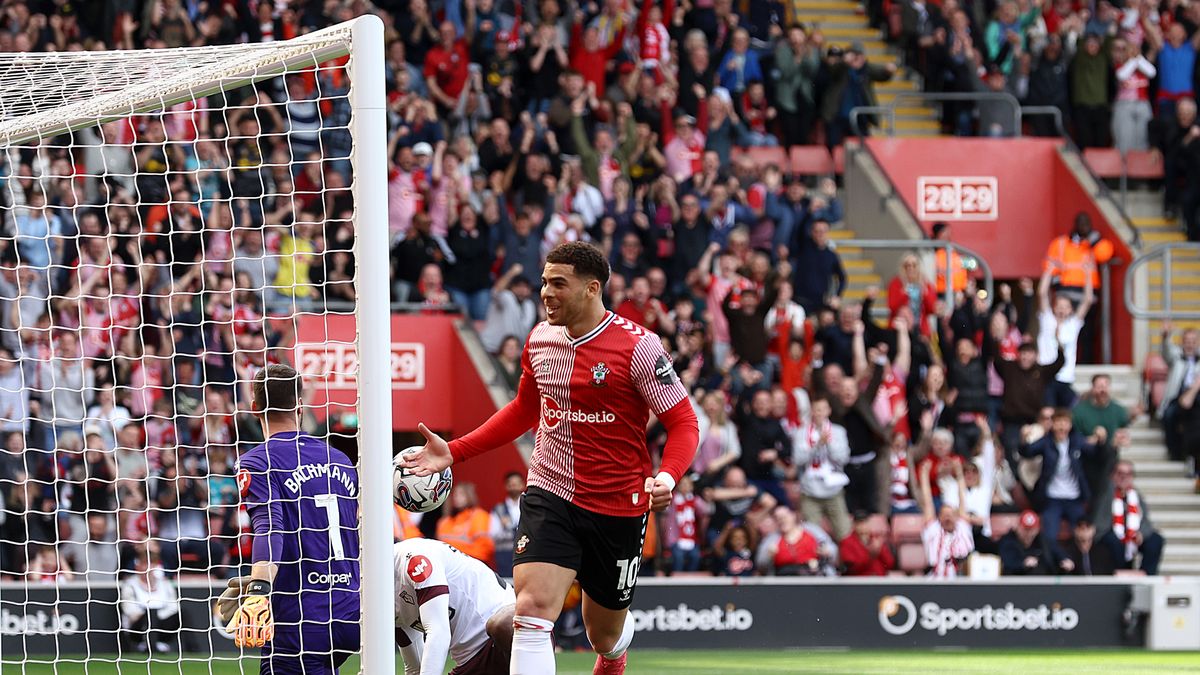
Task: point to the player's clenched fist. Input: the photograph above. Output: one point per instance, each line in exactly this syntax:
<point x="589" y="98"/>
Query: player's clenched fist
<point x="660" y="488"/>
<point x="252" y="624"/>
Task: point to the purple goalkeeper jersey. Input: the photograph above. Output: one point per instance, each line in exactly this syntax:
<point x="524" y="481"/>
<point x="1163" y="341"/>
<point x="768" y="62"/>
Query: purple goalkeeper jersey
<point x="302" y="497"/>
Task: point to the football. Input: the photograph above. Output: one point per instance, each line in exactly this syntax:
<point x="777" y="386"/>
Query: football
<point x="419" y="494"/>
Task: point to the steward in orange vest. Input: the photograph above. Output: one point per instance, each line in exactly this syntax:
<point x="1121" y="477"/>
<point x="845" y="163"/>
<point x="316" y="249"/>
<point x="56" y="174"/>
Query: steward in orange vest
<point x="958" y="270"/>
<point x="1072" y="257"/>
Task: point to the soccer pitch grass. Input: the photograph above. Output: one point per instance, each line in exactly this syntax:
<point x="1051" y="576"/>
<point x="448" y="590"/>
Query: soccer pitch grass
<point x="736" y="662"/>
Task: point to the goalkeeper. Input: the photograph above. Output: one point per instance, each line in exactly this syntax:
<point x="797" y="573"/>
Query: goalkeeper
<point x="301" y="601"/>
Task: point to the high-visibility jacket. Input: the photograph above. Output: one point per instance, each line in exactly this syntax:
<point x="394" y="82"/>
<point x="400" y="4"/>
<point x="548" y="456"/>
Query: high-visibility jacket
<point x="958" y="272"/>
<point x="402" y="525"/>
<point x="1070" y="258"/>
<point x="467" y="531"/>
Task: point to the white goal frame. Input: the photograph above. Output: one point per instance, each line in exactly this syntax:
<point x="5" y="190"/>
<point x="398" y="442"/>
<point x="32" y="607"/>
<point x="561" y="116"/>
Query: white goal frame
<point x="362" y="40"/>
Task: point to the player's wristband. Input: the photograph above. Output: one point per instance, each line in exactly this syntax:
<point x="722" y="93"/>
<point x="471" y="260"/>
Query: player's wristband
<point x="258" y="587"/>
<point x="665" y="477"/>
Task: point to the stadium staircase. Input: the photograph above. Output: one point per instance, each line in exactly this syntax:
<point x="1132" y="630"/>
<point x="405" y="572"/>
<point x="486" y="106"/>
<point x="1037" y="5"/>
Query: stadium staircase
<point x="1145" y="210"/>
<point x="1174" y="506"/>
<point x="843" y="22"/>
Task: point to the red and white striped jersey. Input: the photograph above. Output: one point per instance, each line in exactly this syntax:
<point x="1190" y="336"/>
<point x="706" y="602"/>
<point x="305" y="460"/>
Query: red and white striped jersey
<point x="596" y="394"/>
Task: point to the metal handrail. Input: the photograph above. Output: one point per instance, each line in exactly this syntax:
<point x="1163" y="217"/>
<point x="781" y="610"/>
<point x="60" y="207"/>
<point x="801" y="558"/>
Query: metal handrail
<point x="932" y="244"/>
<point x="890" y="109"/>
<point x="977" y="97"/>
<point x="1052" y="111"/>
<point x="861" y="110"/>
<point x="1165" y="252"/>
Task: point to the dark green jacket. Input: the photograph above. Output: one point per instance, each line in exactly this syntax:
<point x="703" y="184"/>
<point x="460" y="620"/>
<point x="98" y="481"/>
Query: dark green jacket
<point x="590" y="159"/>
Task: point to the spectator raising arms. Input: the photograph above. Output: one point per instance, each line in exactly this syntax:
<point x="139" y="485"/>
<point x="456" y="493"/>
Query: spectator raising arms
<point x="1062" y="490"/>
<point x="1059" y="326"/>
<point x="947" y="534"/>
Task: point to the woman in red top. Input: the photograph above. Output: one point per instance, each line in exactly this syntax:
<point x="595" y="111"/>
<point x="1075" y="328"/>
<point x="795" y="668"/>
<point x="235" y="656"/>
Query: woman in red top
<point x="910" y="287"/>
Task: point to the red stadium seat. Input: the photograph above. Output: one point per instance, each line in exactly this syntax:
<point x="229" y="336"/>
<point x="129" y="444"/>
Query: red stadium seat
<point x="911" y="558"/>
<point x="1104" y="162"/>
<point x="1143" y="165"/>
<point x="1002" y="523"/>
<point x="764" y="157"/>
<point x="839" y="159"/>
<point x="906" y="527"/>
<point x="811" y="160"/>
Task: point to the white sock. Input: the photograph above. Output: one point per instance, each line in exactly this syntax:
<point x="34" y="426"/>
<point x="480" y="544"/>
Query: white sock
<point x="623" y="641"/>
<point x="532" y="650"/>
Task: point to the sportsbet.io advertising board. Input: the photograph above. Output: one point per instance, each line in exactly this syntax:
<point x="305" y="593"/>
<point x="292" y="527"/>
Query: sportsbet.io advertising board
<point x="820" y="613"/>
<point x="691" y="614"/>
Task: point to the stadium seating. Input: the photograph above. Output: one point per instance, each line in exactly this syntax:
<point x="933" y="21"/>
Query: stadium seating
<point x="1143" y="165"/>
<point x="767" y="156"/>
<point x="906" y="528"/>
<point x="811" y="160"/>
<point x="910" y="558"/>
<point x="1104" y="162"/>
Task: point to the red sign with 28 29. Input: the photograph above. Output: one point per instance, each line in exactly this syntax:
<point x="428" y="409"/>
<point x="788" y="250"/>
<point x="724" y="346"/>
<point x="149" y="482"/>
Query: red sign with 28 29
<point x="957" y="198"/>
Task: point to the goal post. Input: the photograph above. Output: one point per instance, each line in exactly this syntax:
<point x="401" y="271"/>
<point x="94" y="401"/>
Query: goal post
<point x="170" y="222"/>
<point x="369" y="126"/>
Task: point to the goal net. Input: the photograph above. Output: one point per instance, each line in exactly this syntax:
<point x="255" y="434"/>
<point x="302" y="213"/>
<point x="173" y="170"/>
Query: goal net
<point x="172" y="222"/>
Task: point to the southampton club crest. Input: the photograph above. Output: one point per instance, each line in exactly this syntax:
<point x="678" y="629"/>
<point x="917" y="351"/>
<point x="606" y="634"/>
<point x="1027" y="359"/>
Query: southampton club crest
<point x="521" y="544"/>
<point x="599" y="372"/>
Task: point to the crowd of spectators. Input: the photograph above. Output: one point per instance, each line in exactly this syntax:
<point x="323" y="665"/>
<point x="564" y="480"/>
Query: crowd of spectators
<point x="1114" y="70"/>
<point x="1122" y="74"/>
<point x="146" y="264"/>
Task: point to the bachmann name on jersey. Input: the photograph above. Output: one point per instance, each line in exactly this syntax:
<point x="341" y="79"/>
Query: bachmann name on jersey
<point x="590" y="398"/>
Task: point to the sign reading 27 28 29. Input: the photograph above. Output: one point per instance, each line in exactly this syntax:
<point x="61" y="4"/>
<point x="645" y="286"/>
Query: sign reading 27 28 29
<point x="957" y="198"/>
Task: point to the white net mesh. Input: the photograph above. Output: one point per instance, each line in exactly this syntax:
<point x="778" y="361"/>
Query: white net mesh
<point x="172" y="221"/>
<point x="43" y="94"/>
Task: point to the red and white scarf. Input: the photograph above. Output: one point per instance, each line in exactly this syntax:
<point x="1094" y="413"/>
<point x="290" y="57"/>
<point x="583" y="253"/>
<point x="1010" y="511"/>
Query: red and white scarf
<point x="1126" y="520"/>
<point x="812" y="433"/>
<point x="899" y="485"/>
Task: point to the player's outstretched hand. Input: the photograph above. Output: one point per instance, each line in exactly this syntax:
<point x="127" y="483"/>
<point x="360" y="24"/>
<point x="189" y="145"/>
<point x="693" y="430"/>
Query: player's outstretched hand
<point x="432" y="458"/>
<point x="660" y="494"/>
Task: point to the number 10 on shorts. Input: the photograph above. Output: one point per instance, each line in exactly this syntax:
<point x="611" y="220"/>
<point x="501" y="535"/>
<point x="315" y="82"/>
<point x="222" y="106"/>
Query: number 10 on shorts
<point x="627" y="572"/>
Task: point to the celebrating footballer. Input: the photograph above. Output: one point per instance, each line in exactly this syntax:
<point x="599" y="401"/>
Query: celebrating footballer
<point x="589" y="381"/>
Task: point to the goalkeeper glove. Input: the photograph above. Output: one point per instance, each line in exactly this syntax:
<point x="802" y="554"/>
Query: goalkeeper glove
<point x="231" y="599"/>
<point x="252" y="624"/>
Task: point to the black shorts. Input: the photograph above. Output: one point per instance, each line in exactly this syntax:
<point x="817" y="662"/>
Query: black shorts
<point x="605" y="551"/>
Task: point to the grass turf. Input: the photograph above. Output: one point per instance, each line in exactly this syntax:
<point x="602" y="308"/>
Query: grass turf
<point x="725" y="662"/>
